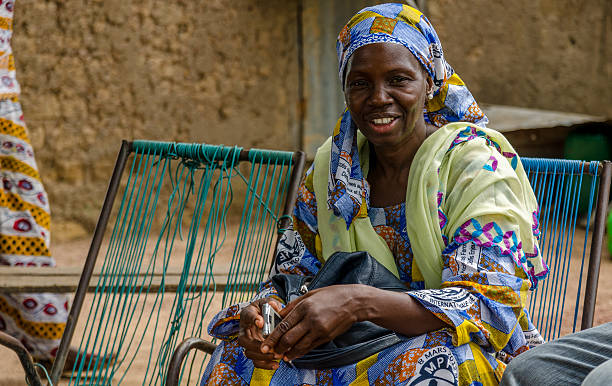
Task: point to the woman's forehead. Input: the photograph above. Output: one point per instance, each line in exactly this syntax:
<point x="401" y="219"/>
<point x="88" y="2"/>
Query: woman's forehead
<point x="382" y="55"/>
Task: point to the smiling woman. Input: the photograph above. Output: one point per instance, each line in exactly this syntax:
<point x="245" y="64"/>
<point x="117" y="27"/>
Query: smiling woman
<point x="412" y="177"/>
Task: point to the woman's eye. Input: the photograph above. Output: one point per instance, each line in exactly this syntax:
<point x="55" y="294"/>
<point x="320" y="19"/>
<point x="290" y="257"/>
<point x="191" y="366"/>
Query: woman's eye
<point x="358" y="83"/>
<point x="398" y="79"/>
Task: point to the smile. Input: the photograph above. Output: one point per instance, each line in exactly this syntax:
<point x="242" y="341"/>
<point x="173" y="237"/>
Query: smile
<point x="382" y="121"/>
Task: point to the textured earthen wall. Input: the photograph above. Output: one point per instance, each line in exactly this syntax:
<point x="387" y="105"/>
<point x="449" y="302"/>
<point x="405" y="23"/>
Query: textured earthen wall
<point x="547" y="54"/>
<point x="94" y="72"/>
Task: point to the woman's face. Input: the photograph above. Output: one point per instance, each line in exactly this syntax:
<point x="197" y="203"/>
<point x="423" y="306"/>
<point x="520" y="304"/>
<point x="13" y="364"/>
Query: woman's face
<point x="385" y="91"/>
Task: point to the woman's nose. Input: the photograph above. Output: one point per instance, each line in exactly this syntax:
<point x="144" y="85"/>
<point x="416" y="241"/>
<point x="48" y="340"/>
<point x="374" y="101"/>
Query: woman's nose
<point x="380" y="95"/>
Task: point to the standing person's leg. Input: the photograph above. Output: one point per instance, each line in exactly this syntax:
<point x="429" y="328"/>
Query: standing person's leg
<point x="566" y="361"/>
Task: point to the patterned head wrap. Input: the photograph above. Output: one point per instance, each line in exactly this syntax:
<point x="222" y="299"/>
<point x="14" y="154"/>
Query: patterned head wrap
<point x="452" y="101"/>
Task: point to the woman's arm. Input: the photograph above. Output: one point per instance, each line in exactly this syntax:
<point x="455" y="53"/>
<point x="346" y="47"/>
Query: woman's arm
<point x="396" y="311"/>
<point x="480" y="301"/>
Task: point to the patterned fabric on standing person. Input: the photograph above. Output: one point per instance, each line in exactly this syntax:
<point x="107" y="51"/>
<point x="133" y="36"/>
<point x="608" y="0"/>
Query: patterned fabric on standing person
<point x="37" y="320"/>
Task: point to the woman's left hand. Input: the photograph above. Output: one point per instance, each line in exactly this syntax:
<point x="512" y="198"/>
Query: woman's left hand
<point x="313" y="319"/>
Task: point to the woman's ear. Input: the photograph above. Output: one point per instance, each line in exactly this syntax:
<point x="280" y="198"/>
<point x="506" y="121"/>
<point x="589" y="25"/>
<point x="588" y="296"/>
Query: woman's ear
<point x="429" y="87"/>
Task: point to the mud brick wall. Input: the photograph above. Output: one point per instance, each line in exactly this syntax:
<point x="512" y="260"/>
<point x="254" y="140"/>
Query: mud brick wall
<point x="95" y="72"/>
<point x="545" y="54"/>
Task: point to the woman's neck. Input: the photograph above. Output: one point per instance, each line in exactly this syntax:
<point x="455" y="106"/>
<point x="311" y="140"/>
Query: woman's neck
<point x="390" y="167"/>
<point x="394" y="161"/>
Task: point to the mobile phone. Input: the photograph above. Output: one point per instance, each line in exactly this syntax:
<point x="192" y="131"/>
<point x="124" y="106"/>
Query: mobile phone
<point x="271" y="319"/>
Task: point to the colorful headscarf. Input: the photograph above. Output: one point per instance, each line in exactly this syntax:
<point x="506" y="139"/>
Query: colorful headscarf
<point x="452" y="101"/>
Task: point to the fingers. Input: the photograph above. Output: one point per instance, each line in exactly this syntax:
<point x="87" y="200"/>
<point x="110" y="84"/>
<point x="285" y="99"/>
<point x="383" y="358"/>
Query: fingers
<point x="251" y="315"/>
<point x="266" y="365"/>
<point x="313" y="339"/>
<point x="303" y="347"/>
<point x="251" y="345"/>
<point x="289" y="307"/>
<point x="289" y="331"/>
<point x="276" y="305"/>
<point x="294" y="335"/>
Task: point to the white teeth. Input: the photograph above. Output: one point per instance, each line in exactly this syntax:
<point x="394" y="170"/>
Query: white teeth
<point x="382" y="121"/>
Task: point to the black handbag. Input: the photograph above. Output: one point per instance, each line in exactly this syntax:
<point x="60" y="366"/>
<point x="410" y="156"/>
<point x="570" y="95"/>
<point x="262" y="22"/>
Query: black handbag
<point x="363" y="338"/>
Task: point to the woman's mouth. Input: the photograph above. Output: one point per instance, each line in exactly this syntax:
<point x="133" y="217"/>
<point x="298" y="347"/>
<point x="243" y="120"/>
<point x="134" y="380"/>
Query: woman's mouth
<point x="382" y="124"/>
<point x="382" y="121"/>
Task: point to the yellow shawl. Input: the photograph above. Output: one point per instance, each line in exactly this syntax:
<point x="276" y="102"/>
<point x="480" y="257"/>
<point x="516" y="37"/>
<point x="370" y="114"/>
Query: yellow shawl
<point x="466" y="183"/>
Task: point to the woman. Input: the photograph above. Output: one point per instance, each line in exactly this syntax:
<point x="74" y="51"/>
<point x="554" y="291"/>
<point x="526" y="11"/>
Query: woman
<point x="448" y="211"/>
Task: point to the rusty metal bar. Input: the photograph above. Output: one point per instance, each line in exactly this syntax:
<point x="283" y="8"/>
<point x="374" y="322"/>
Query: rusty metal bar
<point x="62" y="283"/>
<point x="212" y="153"/>
<point x="299" y="159"/>
<point x="583" y="167"/>
<point x="73" y="316"/>
<point x="301" y="80"/>
<point x="181" y="351"/>
<point x="590" y="295"/>
<point x="24" y="357"/>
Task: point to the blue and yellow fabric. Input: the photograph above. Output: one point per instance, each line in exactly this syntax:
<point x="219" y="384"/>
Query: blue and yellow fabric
<point x="482" y="296"/>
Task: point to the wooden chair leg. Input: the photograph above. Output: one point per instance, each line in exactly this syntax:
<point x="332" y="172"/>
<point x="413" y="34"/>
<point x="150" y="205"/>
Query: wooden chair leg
<point x="181" y="351"/>
<point x="24" y="356"/>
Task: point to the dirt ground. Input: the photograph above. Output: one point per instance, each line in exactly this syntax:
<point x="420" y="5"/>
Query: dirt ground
<point x="72" y="253"/>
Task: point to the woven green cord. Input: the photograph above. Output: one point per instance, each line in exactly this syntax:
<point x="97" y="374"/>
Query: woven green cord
<point x="253" y="239"/>
<point x="177" y="227"/>
<point x="178" y="305"/>
<point x="134" y="254"/>
<point x="260" y="250"/>
<point x="232" y="285"/>
<point x="104" y="352"/>
<point x="150" y="268"/>
<point x="214" y="212"/>
<point x="170" y="214"/>
<point x="117" y="317"/>
<point x="44" y="369"/>
<point x="278" y="223"/>
<point x="118" y="230"/>
<point x="141" y="247"/>
<point x="134" y="264"/>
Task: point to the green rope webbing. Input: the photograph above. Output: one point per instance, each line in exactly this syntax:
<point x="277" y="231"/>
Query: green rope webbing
<point x="177" y="194"/>
<point x="557" y="185"/>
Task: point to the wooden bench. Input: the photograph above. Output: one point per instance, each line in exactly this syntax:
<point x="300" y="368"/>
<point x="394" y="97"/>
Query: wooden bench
<point x="66" y="280"/>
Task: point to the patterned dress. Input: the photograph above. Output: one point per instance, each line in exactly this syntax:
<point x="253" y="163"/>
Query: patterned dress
<point x="482" y="296"/>
<point x="37" y="320"/>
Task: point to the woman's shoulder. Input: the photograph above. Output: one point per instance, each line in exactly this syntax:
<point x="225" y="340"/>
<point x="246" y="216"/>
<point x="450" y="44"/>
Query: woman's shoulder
<point x="457" y="133"/>
<point x="466" y="142"/>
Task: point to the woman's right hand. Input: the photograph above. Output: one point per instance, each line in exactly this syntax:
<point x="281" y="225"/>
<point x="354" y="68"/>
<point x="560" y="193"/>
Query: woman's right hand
<point x="250" y="338"/>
